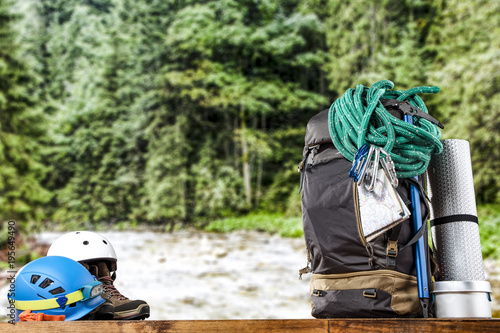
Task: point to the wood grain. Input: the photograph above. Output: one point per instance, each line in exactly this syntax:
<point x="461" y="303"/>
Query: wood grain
<point x="271" y="326"/>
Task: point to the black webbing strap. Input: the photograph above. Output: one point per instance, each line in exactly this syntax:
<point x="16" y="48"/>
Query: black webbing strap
<point x="415" y="238"/>
<point x="425" y="200"/>
<point x="454" y="218"/>
<point x="393" y="249"/>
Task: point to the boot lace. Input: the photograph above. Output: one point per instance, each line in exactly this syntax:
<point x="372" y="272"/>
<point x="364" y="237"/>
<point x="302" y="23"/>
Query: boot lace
<point x="109" y="287"/>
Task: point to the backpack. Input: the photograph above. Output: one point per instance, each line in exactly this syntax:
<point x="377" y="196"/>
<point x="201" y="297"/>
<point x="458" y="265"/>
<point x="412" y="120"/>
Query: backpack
<point x="352" y="277"/>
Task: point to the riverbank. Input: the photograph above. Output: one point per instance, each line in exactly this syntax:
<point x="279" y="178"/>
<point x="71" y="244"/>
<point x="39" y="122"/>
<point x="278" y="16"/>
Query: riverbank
<point x="200" y="275"/>
<point x="192" y="274"/>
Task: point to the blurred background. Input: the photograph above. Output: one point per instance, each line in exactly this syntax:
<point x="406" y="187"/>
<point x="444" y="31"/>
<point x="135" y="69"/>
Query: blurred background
<point x="169" y="116"/>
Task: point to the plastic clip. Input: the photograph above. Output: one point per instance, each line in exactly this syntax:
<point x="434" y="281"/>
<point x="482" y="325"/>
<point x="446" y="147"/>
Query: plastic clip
<point x="392" y="248"/>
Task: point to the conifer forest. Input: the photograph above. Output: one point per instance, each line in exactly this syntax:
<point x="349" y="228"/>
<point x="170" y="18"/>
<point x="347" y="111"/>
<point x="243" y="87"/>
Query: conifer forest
<point x="167" y="111"/>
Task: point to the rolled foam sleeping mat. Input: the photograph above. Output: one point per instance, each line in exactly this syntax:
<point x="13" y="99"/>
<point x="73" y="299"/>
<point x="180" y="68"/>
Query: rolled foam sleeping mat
<point x="454" y="223"/>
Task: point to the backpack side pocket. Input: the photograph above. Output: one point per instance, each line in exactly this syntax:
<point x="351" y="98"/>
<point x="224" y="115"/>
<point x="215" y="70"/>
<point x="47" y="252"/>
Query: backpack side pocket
<point x="382" y="293"/>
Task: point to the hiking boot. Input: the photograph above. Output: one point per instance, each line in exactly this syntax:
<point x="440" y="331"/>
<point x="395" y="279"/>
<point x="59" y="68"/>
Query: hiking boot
<point x="105" y="311"/>
<point x="124" y="308"/>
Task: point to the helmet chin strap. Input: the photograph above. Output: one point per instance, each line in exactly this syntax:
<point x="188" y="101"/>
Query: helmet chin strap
<point x="27" y="315"/>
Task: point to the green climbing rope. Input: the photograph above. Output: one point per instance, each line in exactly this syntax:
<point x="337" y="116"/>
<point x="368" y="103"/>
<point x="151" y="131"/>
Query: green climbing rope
<point x="358" y="117"/>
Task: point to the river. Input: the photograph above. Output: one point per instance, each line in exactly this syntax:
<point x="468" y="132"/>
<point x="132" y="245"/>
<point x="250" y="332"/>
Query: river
<point x="199" y="275"/>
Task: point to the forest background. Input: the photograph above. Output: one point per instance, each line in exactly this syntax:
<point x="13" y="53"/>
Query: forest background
<point x="167" y="113"/>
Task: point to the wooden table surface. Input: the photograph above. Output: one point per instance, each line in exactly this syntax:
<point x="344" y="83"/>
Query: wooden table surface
<point x="275" y="325"/>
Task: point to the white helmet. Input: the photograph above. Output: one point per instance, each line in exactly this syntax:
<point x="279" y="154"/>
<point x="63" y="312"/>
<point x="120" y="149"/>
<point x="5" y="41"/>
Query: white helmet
<point x="84" y="246"/>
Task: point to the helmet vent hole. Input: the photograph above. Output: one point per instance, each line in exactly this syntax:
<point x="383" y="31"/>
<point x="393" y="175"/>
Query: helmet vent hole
<point x="77" y="232"/>
<point x="34" y="278"/>
<point x="45" y="283"/>
<point x="56" y="291"/>
<point x="72" y="305"/>
<point x="105" y="242"/>
<point x="85" y="242"/>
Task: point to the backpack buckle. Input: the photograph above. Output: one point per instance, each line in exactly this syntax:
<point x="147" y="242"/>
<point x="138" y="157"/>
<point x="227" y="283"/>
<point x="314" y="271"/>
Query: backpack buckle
<point x="392" y="248"/>
<point x="318" y="293"/>
<point x="371" y="293"/>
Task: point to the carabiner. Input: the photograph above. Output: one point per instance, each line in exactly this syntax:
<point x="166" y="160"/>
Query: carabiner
<point x="366" y="165"/>
<point x="359" y="162"/>
<point x="389" y="167"/>
<point x="373" y="171"/>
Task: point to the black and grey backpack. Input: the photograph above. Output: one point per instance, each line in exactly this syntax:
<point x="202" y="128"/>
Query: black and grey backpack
<point x="351" y="277"/>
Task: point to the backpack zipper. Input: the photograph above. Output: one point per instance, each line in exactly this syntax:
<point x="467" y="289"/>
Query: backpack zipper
<point x="307" y="269"/>
<point x="304" y="165"/>
<point x="381" y="272"/>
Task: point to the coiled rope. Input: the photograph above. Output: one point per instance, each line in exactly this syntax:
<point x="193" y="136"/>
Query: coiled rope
<point x="358" y="117"/>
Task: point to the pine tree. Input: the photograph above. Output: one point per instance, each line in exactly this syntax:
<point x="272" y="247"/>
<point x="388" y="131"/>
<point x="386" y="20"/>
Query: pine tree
<point x="464" y="46"/>
<point x="373" y="40"/>
<point x="166" y="111"/>
<point x="236" y="71"/>
<point x="106" y="150"/>
<point x="162" y="197"/>
<point x="21" y="128"/>
<point x="86" y="140"/>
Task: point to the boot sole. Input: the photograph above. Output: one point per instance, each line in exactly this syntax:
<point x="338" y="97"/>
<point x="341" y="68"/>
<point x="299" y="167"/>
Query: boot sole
<point x="139" y="313"/>
<point x="104" y="312"/>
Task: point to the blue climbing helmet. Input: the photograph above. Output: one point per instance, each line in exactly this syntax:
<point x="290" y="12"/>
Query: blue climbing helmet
<point x="56" y="286"/>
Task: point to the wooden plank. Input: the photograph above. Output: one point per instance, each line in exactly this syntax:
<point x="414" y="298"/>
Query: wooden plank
<point x="272" y="326"/>
<point x="393" y="325"/>
<point x="181" y="326"/>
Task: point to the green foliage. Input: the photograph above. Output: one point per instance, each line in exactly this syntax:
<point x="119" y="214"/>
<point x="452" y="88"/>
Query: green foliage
<point x="281" y="194"/>
<point x="21" y="130"/>
<point x="489" y="223"/>
<point x="140" y="90"/>
<point x="464" y="41"/>
<point x="234" y="65"/>
<point x="272" y="223"/>
<point x="166" y="174"/>
<point x="373" y="40"/>
<point x="99" y="156"/>
<point x="89" y="178"/>
<point x="122" y="111"/>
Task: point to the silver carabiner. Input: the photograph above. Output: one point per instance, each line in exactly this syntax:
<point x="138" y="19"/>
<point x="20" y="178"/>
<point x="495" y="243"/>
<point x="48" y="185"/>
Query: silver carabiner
<point x="373" y="171"/>
<point x="366" y="165"/>
<point x="389" y="168"/>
